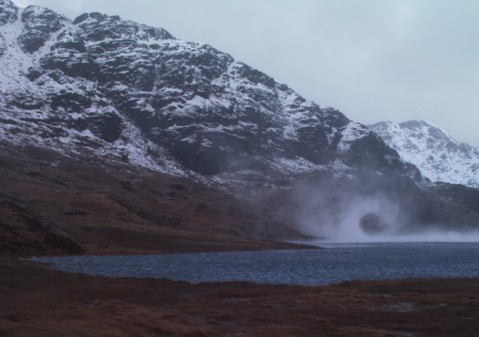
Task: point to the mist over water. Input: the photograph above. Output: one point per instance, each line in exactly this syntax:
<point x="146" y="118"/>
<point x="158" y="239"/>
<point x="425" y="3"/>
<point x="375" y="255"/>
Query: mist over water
<point x="349" y="212"/>
<point x="426" y="236"/>
<point x="342" y="221"/>
<point x="374" y="219"/>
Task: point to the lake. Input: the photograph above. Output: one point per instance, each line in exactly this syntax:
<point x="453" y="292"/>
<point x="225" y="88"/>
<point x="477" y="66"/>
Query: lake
<point x="335" y="263"/>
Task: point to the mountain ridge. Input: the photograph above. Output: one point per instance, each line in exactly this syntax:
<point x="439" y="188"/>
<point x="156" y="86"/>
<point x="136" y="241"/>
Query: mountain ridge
<point x="135" y="92"/>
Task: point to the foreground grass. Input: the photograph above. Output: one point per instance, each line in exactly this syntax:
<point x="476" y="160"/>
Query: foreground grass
<point x="41" y="302"/>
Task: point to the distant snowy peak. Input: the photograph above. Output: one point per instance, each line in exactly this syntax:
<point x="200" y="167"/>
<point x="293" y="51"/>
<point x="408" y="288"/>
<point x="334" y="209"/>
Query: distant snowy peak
<point x="438" y="155"/>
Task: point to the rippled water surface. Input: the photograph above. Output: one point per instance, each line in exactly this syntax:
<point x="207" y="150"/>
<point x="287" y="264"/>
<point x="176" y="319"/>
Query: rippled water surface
<point x="336" y="263"/>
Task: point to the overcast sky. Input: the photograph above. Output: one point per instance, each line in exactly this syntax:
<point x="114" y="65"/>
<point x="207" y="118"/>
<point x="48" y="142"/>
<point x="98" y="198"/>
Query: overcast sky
<point x="374" y="60"/>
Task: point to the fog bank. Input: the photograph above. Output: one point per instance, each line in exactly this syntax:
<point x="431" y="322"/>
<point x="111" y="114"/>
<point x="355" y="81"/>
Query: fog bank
<point x="372" y="208"/>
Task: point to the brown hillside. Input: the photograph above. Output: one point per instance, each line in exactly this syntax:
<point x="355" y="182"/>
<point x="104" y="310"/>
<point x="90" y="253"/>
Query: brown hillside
<point x="52" y="204"/>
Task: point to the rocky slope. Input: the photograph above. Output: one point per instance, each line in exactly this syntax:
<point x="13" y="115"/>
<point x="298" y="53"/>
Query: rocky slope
<point x="438" y="156"/>
<point x="123" y="90"/>
<point x="120" y="94"/>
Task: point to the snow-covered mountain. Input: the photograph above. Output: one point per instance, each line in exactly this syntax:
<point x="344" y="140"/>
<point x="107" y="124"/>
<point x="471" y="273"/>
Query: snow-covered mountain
<point x="438" y="156"/>
<point x="118" y="89"/>
<point x="106" y="90"/>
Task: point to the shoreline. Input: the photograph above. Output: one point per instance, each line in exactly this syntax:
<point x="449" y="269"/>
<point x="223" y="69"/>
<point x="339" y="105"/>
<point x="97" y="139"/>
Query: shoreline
<point x="43" y="302"/>
<point x="279" y="266"/>
<point x="250" y="246"/>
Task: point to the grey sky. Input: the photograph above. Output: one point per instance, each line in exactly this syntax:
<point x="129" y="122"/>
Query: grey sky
<point x="372" y="59"/>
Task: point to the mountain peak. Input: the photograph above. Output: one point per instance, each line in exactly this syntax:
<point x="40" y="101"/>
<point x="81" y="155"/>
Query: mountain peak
<point x="100" y="26"/>
<point x="429" y="129"/>
<point x="94" y="16"/>
<point x="438" y="155"/>
<point x="416" y="123"/>
<point x="39" y="24"/>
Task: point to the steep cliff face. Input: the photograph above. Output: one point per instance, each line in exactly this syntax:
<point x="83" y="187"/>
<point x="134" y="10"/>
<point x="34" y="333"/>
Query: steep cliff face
<point x="438" y="156"/>
<point x="120" y="89"/>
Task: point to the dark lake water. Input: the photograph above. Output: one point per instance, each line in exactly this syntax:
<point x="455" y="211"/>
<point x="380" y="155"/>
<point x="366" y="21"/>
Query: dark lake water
<point x="336" y="263"/>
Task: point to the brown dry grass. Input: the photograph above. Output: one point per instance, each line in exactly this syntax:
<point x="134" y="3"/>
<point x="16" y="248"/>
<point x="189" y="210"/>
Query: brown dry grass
<point x="39" y="302"/>
<point x="107" y="207"/>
